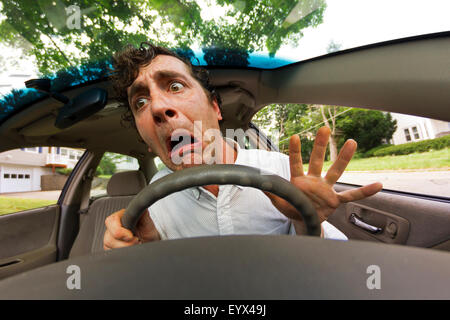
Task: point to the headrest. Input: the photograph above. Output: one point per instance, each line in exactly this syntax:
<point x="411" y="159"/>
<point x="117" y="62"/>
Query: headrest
<point x="126" y="183"/>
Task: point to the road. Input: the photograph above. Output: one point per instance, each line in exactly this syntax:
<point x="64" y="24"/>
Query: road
<point x="425" y="182"/>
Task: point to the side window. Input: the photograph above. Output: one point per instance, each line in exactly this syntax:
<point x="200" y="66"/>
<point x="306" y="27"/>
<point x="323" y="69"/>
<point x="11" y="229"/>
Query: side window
<point x="110" y="164"/>
<point x="33" y="177"/>
<point x="405" y="153"/>
<point x="158" y="163"/>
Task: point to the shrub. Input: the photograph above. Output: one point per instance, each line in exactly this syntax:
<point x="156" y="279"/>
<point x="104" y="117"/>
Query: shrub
<point x="64" y="171"/>
<point x="411" y="147"/>
<point x="359" y="155"/>
<point x="98" y="171"/>
<point x="371" y="152"/>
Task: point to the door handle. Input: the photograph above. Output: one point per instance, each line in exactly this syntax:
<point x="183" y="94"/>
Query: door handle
<point x="6" y="264"/>
<point x="359" y="223"/>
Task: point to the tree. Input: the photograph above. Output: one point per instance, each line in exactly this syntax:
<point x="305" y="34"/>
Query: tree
<point x="108" y="163"/>
<point x="370" y="128"/>
<point x="61" y="34"/>
<point x="328" y="116"/>
<point x="48" y="31"/>
<point x="281" y="121"/>
<point x="307" y="123"/>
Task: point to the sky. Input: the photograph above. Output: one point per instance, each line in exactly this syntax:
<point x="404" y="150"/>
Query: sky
<point x="353" y="23"/>
<point x="349" y="23"/>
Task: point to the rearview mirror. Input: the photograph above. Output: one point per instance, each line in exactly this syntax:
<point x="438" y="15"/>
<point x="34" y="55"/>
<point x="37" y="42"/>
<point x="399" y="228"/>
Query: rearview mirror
<point x="81" y="107"/>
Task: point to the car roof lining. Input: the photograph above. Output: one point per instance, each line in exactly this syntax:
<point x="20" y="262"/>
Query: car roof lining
<point x="410" y="77"/>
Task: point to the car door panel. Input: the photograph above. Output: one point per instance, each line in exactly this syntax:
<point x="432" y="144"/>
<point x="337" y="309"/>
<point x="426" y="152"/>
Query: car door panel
<point x="383" y="226"/>
<point x="28" y="239"/>
<point x="402" y="218"/>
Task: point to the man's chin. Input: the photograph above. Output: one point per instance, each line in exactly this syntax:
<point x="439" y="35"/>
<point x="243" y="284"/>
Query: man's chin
<point x="188" y="160"/>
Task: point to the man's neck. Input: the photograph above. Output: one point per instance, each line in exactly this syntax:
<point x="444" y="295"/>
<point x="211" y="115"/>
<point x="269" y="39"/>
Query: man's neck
<point x="229" y="155"/>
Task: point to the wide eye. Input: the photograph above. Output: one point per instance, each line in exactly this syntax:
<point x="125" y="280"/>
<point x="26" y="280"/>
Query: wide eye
<point x="140" y="102"/>
<point x="176" y="86"/>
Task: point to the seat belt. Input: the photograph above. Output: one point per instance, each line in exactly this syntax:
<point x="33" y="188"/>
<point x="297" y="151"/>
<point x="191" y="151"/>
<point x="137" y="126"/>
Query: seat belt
<point x="85" y="193"/>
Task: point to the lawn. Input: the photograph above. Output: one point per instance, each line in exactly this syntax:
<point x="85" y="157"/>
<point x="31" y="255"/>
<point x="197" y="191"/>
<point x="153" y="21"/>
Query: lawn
<point x="11" y="205"/>
<point x="105" y="176"/>
<point x="438" y="159"/>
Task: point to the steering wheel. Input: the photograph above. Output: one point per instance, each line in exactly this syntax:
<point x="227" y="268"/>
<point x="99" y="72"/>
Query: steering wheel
<point x="219" y="175"/>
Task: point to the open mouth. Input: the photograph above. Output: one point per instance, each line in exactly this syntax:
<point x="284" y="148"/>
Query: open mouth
<point x="181" y="143"/>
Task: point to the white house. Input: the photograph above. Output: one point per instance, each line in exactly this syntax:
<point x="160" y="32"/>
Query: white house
<point x="21" y="169"/>
<point x="128" y="163"/>
<point x="412" y="128"/>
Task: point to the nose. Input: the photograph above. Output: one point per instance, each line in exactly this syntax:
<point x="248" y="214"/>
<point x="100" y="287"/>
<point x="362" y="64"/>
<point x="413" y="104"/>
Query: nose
<point x="161" y="110"/>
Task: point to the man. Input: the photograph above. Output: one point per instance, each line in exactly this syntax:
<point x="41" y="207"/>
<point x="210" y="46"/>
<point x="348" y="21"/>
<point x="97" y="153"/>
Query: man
<point x="169" y="99"/>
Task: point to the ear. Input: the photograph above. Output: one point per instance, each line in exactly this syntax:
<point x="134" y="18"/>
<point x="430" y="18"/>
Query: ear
<point x="149" y="150"/>
<point x="217" y="109"/>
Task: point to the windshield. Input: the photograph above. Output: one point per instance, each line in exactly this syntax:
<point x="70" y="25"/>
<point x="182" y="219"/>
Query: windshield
<point x="40" y="38"/>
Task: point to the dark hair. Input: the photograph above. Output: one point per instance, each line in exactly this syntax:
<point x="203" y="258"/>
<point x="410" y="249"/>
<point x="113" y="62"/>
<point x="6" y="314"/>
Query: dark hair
<point x="126" y="66"/>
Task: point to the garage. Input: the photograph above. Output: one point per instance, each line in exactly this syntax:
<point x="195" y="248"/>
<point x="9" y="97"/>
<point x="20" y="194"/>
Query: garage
<point x="15" y="179"/>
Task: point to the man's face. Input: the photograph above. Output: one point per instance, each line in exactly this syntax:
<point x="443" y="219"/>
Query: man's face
<point x="166" y="101"/>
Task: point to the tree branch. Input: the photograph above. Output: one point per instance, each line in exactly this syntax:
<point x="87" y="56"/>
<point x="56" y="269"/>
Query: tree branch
<point x="59" y="49"/>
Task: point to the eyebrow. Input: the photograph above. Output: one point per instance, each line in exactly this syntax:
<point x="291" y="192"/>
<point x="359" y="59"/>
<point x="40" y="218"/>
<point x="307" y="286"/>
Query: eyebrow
<point x="162" y="74"/>
<point x="136" y="87"/>
<point x="165" y="74"/>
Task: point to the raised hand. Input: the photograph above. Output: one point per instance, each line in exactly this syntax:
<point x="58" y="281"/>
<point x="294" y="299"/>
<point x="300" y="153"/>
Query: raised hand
<point x="320" y="189"/>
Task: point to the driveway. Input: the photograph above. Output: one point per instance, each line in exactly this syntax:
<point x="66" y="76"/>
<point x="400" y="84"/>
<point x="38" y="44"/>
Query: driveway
<point x="44" y="195"/>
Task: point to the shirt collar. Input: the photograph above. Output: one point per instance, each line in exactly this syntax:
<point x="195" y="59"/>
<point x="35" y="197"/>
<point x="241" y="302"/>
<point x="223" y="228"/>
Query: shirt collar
<point x="197" y="190"/>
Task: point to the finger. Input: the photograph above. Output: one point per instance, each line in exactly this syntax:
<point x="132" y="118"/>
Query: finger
<point x="144" y="218"/>
<point x="318" y="152"/>
<point x="360" y="193"/>
<point x="109" y="242"/>
<point x="295" y="156"/>
<point x="344" y="157"/>
<point x="284" y="206"/>
<point x="145" y="229"/>
<point x="115" y="228"/>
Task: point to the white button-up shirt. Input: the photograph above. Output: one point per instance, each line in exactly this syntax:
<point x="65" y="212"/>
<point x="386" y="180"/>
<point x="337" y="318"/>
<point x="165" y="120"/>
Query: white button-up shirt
<point x="236" y="210"/>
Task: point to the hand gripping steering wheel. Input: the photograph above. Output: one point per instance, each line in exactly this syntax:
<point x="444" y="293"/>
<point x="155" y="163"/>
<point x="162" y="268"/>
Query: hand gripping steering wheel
<point x="220" y="175"/>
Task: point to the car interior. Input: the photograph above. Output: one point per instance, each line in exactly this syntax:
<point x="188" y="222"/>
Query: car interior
<point x="412" y="247"/>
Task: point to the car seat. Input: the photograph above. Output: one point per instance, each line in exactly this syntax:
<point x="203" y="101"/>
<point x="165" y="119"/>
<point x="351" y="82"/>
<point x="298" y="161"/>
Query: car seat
<point x="121" y="189"/>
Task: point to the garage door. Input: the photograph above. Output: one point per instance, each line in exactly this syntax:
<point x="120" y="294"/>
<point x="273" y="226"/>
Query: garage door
<point x="15" y="180"/>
